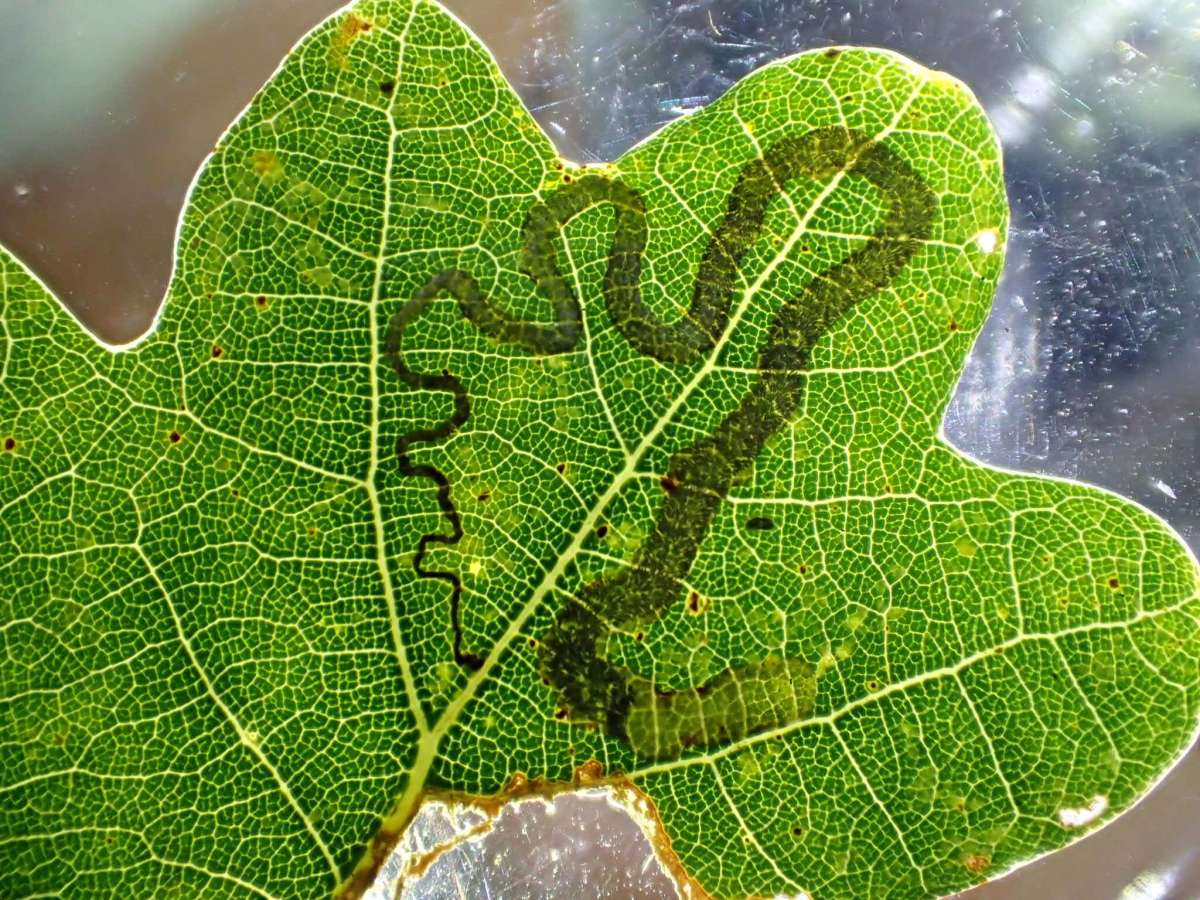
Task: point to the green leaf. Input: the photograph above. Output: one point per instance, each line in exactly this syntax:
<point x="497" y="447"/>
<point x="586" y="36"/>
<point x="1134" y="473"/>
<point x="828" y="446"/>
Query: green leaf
<point x="448" y="460"/>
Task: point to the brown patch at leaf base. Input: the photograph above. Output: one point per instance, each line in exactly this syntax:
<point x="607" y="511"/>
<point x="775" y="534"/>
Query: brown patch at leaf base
<point x="519" y="788"/>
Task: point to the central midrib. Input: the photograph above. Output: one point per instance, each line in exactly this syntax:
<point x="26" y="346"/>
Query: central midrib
<point x="378" y="521"/>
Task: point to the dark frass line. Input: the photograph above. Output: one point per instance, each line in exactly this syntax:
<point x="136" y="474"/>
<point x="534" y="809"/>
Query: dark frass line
<point x="462" y="411"/>
<point x="736" y="702"/>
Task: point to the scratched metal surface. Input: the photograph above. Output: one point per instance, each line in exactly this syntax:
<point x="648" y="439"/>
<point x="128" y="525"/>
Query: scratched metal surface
<point x="1087" y="368"/>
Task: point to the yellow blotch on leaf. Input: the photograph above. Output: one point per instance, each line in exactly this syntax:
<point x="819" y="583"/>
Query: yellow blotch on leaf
<point x="266" y="165"/>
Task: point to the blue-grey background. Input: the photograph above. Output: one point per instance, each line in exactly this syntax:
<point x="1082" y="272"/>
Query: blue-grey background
<point x="1089" y="366"/>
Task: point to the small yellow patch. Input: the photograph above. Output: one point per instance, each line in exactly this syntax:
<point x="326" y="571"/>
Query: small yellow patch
<point x="352" y="27"/>
<point x="266" y="165"/>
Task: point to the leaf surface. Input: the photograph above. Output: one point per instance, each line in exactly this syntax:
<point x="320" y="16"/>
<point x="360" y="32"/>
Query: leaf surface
<point x="448" y="460"/>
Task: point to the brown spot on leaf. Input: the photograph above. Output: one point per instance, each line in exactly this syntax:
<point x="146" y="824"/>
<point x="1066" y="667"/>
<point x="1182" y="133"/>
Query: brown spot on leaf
<point x="261" y="301"/>
<point x="10" y="444"/>
<point x="174" y="437"/>
<point x="386" y="87"/>
<point x="592" y="770"/>
<point x="217" y="352"/>
<point x="669" y="484"/>
<point x="351" y="28"/>
<point x="602" y="531"/>
<point x="1114" y="582"/>
<point x="976" y="863"/>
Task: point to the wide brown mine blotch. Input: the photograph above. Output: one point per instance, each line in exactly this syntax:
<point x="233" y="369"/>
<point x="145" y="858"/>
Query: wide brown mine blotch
<point x="594" y="691"/>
